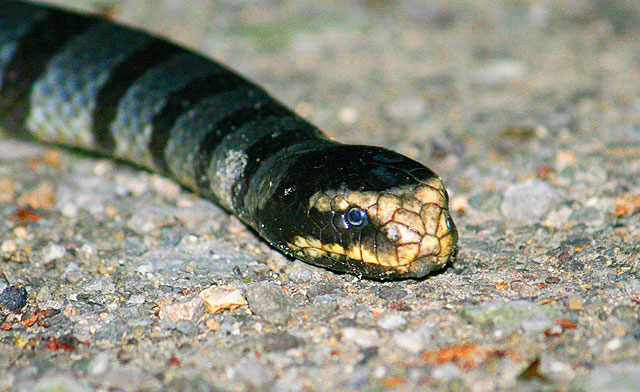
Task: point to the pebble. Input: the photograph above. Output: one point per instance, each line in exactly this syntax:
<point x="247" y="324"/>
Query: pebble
<point x="363" y="337"/>
<point x="52" y="251"/>
<point x="269" y="301"/>
<point x="591" y="216"/>
<point x="55" y="383"/>
<point x="446" y="371"/>
<point x="251" y="371"/>
<point x="220" y="298"/>
<point x="129" y="378"/>
<point x="536" y="323"/>
<point x="506" y="314"/>
<point x="186" y="310"/>
<point x="528" y="200"/>
<point x="101" y="285"/>
<point x="574" y="303"/>
<point x="280" y="341"/>
<point x="392" y="322"/>
<point x="618" y="377"/>
<point x="42" y="196"/>
<point x="136" y="299"/>
<point x="412" y="341"/>
<point x="13" y="298"/>
<point x="300" y="274"/>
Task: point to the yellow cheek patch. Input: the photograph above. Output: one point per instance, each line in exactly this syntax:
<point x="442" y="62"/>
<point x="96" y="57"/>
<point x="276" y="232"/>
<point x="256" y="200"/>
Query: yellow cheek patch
<point x="410" y="226"/>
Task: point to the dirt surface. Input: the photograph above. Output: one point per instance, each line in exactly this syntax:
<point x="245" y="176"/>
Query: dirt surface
<point x="530" y="112"/>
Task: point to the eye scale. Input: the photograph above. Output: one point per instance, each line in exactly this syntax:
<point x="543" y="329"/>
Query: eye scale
<point x="84" y="82"/>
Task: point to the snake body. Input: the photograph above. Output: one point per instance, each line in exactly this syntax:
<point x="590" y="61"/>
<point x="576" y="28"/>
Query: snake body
<point x="84" y="82"/>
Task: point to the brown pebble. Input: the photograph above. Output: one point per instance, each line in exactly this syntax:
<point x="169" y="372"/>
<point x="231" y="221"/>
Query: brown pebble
<point x="43" y="196"/>
<point x="186" y="310"/>
<point x="574" y="303"/>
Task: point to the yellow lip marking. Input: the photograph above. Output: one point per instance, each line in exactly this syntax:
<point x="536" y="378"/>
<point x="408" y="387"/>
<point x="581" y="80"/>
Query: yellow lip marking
<point x="334" y="248"/>
<point x="368" y="256"/>
<point x="354" y="252"/>
<point x="313" y="252"/>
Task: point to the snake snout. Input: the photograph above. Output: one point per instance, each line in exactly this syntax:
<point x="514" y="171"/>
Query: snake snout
<point x="417" y="234"/>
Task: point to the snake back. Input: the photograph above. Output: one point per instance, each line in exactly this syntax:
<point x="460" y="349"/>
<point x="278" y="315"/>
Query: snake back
<point x="84" y="82"/>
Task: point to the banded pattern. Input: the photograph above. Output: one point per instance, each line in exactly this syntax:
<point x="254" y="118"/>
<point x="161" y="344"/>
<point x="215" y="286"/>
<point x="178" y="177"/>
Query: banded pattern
<point x="84" y="82"/>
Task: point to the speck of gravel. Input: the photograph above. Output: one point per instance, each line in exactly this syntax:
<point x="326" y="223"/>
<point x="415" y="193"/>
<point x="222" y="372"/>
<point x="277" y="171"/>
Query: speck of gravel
<point x="280" y="341"/>
<point x="446" y="371"/>
<point x="362" y="337"/>
<point x="13" y="298"/>
<point x="300" y="274"/>
<point x="412" y="341"/>
<point x="100" y="285"/>
<point x="55" y="383"/>
<point x="268" y="301"/>
<point x="536" y="323"/>
<point x="190" y="309"/>
<point x="591" y="216"/>
<point x="250" y="371"/>
<point x="528" y="200"/>
<point x="187" y="327"/>
<point x="617" y="377"/>
<point x="392" y="322"/>
<point x="52" y="251"/>
<point x="505" y="314"/>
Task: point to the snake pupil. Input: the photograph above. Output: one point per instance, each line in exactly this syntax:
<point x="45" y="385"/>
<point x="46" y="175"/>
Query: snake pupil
<point x="356" y="216"/>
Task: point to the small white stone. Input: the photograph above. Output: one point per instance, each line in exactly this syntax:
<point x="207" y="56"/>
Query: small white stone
<point x="392" y="322"/>
<point x="136" y="299"/>
<point x="613" y="344"/>
<point x="361" y="336"/>
<point x="446" y="371"/>
<point x="8" y="246"/>
<point x="52" y="252"/>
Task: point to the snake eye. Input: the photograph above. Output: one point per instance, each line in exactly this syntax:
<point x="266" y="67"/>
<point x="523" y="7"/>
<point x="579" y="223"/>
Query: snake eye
<point x="357" y="217"/>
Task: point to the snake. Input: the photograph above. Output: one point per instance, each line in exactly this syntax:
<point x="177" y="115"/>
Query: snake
<point x="84" y="82"/>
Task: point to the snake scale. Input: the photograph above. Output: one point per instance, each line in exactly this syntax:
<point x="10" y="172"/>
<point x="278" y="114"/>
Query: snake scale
<point x="85" y="82"/>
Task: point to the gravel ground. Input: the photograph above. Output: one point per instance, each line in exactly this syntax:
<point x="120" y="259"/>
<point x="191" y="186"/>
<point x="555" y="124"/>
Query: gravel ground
<point x="117" y="279"/>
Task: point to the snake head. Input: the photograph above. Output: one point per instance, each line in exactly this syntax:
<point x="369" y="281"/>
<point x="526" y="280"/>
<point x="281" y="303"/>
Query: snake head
<point x="366" y="211"/>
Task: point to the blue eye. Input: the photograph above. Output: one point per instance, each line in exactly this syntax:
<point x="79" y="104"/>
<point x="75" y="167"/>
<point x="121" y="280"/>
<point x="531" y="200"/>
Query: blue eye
<point x="357" y="217"/>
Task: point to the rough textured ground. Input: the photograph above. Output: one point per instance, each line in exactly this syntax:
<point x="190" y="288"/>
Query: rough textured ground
<point x="530" y="112"/>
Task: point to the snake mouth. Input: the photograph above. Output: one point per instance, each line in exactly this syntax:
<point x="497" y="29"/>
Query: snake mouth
<point x="410" y="232"/>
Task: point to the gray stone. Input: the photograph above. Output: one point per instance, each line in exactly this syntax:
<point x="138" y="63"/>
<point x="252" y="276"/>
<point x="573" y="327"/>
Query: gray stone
<point x="269" y="301"/>
<point x="529" y="199"/>
<point x="618" y="377"/>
